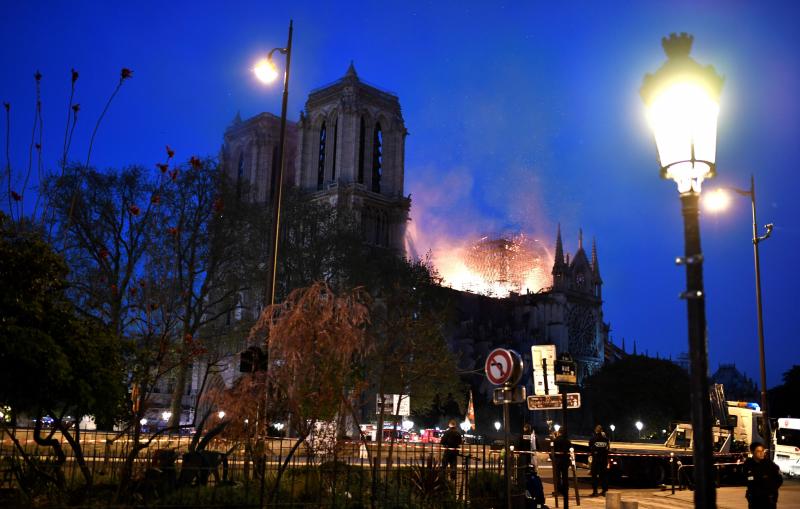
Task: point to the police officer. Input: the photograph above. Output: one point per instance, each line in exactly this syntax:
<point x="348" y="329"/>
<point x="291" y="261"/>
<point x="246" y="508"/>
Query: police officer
<point x="599" y="446"/>
<point x="763" y="479"/>
<point x="561" y="463"/>
<point x="450" y="442"/>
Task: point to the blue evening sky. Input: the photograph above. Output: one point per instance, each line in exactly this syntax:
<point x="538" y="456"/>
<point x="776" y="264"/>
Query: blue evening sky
<point x="521" y="115"/>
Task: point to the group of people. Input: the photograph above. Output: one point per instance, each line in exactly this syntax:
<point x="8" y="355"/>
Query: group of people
<point x="762" y="475"/>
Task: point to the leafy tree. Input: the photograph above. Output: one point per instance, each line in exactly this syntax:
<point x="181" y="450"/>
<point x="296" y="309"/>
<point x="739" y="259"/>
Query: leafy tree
<point x="655" y="391"/>
<point x="314" y="338"/>
<point x="52" y="360"/>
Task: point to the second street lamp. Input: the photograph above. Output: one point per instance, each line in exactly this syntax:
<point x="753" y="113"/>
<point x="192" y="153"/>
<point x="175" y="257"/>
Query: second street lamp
<point x="720" y="202"/>
<point x="682" y="100"/>
<point x="266" y="71"/>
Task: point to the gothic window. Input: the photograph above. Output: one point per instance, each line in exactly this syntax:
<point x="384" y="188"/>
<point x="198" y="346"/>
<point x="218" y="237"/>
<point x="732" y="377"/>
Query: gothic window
<point x="239" y="175"/>
<point x="273" y="184"/>
<point x="361" y="149"/>
<point x="580" y="279"/>
<point x="335" y="144"/>
<point x="321" y="162"/>
<point x="377" y="159"/>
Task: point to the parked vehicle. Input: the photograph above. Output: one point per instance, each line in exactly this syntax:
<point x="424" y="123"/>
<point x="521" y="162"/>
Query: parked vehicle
<point x="787" y="446"/>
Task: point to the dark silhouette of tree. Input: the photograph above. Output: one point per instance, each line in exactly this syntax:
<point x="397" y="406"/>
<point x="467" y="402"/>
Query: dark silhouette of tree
<point x="638" y="388"/>
<point x="53" y="361"/>
<point x="784" y="400"/>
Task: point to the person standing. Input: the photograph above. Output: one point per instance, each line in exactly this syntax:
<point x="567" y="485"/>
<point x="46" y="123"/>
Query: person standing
<point x="450" y="442"/>
<point x="763" y="479"/>
<point x="599" y="445"/>
<point x="561" y="463"/>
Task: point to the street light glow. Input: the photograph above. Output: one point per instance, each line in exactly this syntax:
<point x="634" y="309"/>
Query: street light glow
<point x="612" y="427"/>
<point x="221" y="414"/>
<point x="557" y="427"/>
<point x="497" y="425"/>
<point x="265" y="70"/>
<point x="716" y="200"/>
<point x="639" y="425"/>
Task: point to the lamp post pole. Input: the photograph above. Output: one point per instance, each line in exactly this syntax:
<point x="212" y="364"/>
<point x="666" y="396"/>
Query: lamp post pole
<point x="276" y="222"/>
<point x="756" y="241"/>
<point x="705" y="492"/>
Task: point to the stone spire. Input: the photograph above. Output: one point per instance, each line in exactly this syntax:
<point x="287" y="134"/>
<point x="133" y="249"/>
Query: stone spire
<point x="580" y="239"/>
<point x="559" y="248"/>
<point x="595" y="264"/>
<point x="351" y="71"/>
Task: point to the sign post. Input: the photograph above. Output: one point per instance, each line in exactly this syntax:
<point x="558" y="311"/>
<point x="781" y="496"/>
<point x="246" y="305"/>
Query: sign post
<point x="504" y="367"/>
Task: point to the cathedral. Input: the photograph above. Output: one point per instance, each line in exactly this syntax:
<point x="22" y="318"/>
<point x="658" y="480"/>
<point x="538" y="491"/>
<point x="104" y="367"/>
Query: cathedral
<point x="347" y="148"/>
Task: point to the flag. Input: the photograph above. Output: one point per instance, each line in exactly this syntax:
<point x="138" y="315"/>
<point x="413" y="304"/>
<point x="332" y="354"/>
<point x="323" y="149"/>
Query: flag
<point x="471" y="413"/>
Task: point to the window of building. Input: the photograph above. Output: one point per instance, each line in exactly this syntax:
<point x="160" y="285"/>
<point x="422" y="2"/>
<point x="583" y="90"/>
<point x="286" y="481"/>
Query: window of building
<point x="239" y="175"/>
<point x="335" y="144"/>
<point x="321" y="159"/>
<point x="377" y="158"/>
<point x="361" y="149"/>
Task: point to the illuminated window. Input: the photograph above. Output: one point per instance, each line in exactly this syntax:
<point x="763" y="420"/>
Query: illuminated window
<point x="321" y="163"/>
<point x="377" y="158"/>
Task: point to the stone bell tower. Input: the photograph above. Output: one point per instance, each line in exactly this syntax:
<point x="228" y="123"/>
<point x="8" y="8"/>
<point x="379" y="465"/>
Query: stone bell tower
<point x="351" y="151"/>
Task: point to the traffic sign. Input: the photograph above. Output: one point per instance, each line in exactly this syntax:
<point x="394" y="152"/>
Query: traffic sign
<point x="503" y="366"/>
<point x="544" y="356"/>
<point x="553" y="402"/>
<point x="566" y="370"/>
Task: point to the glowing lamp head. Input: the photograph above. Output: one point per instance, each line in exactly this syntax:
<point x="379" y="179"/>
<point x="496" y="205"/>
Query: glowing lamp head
<point x="682" y="101"/>
<point x="639" y="425"/>
<point x="265" y="70"/>
<point x="497" y="425"/>
<point x="612" y="427"/>
<point x="716" y="201"/>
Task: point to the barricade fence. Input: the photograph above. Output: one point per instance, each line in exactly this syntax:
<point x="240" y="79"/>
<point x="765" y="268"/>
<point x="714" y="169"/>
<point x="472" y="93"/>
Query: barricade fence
<point x="272" y="472"/>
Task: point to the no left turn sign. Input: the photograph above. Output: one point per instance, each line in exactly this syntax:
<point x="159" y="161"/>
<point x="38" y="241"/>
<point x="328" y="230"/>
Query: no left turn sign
<point x="503" y="366"/>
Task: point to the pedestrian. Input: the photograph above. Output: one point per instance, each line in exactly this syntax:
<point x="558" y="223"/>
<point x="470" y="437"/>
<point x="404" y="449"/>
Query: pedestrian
<point x="763" y="479"/>
<point x="561" y="463"/>
<point x="450" y="442"/>
<point x="599" y="445"/>
<point x="524" y="449"/>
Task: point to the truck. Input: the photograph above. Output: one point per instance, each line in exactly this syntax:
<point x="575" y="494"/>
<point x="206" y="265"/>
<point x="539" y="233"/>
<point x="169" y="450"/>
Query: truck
<point x="787" y="446"/>
<point x="656" y="464"/>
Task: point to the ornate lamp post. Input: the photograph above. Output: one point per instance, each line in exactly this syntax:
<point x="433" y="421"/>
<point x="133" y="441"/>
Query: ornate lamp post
<point x="266" y="71"/>
<point x="719" y="200"/>
<point x="682" y="100"/>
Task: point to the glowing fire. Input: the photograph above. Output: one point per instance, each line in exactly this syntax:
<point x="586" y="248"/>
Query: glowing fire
<point x="496" y="266"/>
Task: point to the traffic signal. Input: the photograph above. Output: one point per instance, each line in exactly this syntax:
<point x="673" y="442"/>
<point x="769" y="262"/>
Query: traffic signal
<point x="253" y="359"/>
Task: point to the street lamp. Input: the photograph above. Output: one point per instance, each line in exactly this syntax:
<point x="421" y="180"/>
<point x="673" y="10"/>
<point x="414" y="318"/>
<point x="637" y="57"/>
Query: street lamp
<point x="557" y="427"/>
<point x="639" y="426"/>
<point x="266" y="71"/>
<point x="497" y="425"/>
<point x="612" y="428"/>
<point x="682" y="100"/>
<point x="720" y="201"/>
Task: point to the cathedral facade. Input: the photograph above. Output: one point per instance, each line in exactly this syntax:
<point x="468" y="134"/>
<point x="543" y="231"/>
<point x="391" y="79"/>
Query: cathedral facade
<point x="347" y="148"/>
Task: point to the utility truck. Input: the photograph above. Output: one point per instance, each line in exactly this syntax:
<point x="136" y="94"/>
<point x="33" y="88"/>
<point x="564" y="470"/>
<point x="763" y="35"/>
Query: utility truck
<point x="738" y="424"/>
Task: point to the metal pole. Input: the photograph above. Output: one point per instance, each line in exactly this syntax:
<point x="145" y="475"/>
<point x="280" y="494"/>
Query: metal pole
<point x="281" y="150"/>
<point x="705" y="492"/>
<point x="506" y="463"/>
<point x="756" y="241"/>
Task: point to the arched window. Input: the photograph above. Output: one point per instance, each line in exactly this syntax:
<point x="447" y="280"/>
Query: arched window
<point x="361" y="149"/>
<point x="335" y="144"/>
<point x="321" y="163"/>
<point x="377" y="158"/>
<point x="239" y="175"/>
